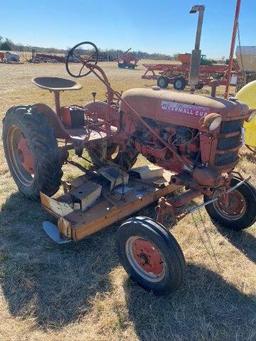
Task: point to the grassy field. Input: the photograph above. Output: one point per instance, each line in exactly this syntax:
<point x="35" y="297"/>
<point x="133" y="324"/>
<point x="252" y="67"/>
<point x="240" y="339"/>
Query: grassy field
<point x="80" y="291"/>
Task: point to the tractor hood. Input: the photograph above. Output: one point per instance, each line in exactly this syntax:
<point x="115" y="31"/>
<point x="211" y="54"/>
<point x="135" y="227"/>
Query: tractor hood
<point x="180" y="108"/>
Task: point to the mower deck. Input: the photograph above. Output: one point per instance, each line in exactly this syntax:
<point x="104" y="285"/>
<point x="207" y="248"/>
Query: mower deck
<point x="110" y="207"/>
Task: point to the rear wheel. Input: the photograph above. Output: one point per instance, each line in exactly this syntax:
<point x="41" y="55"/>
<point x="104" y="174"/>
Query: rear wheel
<point x="238" y="210"/>
<point x="31" y="152"/>
<point x="179" y="83"/>
<point x="150" y="255"/>
<point x="162" y="82"/>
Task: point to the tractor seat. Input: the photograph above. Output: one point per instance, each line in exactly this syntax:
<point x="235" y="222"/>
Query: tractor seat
<point x="56" y="83"/>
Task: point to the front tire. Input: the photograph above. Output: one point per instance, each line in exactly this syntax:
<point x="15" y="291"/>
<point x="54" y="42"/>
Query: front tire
<point x="239" y="212"/>
<point x="150" y="255"/>
<point x="179" y="83"/>
<point x="162" y="82"/>
<point x="31" y="151"/>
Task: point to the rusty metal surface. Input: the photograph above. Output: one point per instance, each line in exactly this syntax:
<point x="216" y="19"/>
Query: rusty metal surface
<point x="56" y="84"/>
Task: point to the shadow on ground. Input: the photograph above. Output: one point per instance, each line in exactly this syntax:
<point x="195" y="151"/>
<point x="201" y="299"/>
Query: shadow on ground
<point x="43" y="280"/>
<point x="205" y="308"/>
<point x="54" y="284"/>
<point x="249" y="156"/>
<point x="242" y="240"/>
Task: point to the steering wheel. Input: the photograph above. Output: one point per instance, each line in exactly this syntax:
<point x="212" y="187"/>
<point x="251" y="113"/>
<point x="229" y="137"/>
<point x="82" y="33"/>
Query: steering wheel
<point x="79" y="53"/>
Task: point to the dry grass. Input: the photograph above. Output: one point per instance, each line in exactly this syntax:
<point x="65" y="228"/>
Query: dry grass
<point x="80" y="292"/>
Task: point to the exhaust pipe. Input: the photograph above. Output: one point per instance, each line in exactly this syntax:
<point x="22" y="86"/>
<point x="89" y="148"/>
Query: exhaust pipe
<point x="196" y="53"/>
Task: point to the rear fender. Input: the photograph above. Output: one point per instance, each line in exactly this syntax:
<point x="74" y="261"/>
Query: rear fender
<point x="53" y="119"/>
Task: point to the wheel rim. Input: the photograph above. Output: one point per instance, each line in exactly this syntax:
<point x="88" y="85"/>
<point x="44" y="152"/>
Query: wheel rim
<point x="145" y="258"/>
<point x="231" y="206"/>
<point x="20" y="155"/>
<point x="178" y="84"/>
<point x="161" y="82"/>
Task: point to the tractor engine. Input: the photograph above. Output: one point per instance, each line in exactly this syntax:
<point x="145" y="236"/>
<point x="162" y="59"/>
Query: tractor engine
<point x="183" y="139"/>
<point x="185" y="133"/>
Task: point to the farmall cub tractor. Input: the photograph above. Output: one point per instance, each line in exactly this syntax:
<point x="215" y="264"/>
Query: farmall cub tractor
<point x="193" y="140"/>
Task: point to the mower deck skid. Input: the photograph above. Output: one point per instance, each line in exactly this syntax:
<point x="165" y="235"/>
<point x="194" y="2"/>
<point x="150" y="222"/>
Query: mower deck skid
<point x="109" y="207"/>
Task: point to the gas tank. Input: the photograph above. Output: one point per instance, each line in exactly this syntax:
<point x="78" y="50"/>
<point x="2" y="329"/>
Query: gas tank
<point x="179" y="108"/>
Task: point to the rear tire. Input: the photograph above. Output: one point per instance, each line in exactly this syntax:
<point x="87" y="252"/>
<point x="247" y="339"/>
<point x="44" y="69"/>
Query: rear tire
<point x="41" y="147"/>
<point x="241" y="211"/>
<point x="179" y="83"/>
<point x="162" y="82"/>
<point x="150" y="255"/>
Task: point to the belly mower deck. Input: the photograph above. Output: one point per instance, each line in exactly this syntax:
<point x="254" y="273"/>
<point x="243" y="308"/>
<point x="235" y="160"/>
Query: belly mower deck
<point x="108" y="201"/>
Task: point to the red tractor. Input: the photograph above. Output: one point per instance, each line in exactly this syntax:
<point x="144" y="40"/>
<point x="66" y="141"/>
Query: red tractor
<point x="195" y="137"/>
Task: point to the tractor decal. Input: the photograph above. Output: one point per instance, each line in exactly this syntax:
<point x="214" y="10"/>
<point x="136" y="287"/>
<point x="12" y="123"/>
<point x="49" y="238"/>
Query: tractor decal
<point x="193" y="110"/>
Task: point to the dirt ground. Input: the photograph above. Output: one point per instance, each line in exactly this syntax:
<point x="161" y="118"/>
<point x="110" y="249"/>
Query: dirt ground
<point x="80" y="291"/>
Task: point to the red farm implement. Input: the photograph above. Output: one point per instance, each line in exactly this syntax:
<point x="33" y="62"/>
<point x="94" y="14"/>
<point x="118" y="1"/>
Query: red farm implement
<point x="192" y="68"/>
<point x="127" y="60"/>
<point x="47" y="58"/>
<point x="178" y="74"/>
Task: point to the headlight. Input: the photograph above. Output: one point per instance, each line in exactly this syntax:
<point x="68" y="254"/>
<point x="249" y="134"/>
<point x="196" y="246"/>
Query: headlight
<point x="251" y="116"/>
<point x="212" y="121"/>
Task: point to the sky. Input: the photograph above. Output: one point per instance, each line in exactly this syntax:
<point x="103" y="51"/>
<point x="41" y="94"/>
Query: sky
<point x="163" y="26"/>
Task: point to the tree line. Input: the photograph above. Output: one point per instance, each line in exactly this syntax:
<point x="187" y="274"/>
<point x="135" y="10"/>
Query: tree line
<point x="8" y="45"/>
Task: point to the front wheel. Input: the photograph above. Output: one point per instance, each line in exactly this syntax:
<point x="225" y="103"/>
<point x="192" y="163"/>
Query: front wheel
<point x="179" y="83"/>
<point x="238" y="210"/>
<point x="150" y="255"/>
<point x="162" y="82"/>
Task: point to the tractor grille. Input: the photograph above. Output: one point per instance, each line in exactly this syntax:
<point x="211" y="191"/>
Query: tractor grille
<point x="229" y="142"/>
<point x="225" y="153"/>
<point x="231" y="127"/>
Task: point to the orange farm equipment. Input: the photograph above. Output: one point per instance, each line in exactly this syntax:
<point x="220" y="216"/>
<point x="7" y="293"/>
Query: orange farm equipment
<point x="178" y="74"/>
<point x="192" y="141"/>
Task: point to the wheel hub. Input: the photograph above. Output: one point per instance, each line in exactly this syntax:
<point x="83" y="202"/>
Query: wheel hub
<point x="25" y="155"/>
<point x="231" y="205"/>
<point x="147" y="257"/>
